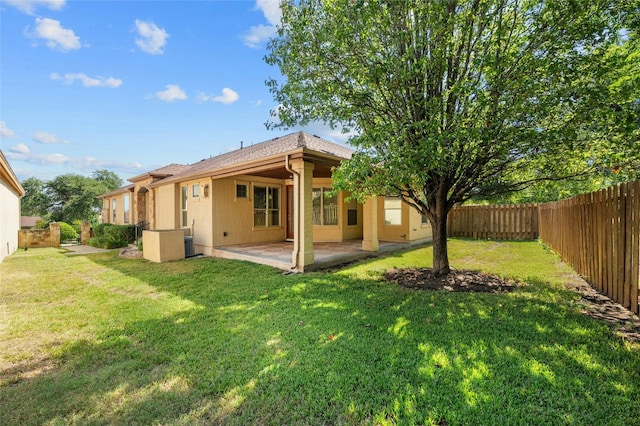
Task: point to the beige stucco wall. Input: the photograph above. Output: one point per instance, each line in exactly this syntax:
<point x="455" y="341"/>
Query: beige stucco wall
<point x="417" y="230"/>
<point x="9" y="220"/>
<point x="341" y="231"/>
<point x="107" y="209"/>
<point x="167" y="209"/>
<point x="234" y="216"/>
<point x="163" y="245"/>
<point x="410" y="229"/>
<point x="199" y="215"/>
<point x="217" y="218"/>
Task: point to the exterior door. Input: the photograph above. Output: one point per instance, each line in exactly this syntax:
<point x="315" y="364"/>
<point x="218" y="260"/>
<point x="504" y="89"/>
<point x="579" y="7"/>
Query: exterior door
<point x="290" y="213"/>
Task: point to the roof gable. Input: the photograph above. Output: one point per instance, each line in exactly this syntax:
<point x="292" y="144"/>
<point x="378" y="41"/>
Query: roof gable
<point x="273" y="147"/>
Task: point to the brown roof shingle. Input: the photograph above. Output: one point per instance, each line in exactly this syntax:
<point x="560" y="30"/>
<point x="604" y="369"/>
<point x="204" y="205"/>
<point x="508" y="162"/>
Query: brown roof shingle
<point x="275" y="146"/>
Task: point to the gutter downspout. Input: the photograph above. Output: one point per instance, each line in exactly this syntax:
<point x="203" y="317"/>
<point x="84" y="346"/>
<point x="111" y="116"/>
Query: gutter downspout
<point x="296" y="213"/>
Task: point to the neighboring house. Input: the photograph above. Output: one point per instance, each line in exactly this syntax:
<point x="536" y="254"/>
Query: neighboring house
<point x="10" y="193"/>
<point x="271" y="191"/>
<point x="29" y="222"/>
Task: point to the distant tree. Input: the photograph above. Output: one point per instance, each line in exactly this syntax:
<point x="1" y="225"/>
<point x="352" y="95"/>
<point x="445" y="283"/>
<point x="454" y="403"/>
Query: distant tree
<point x="109" y="179"/>
<point x="35" y="201"/>
<point x="69" y="197"/>
<point x="454" y="99"/>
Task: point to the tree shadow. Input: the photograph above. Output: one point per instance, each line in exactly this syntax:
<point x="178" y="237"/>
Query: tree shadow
<point x="257" y="347"/>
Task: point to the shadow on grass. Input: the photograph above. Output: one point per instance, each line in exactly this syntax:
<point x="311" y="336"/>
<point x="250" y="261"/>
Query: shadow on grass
<point x="261" y="348"/>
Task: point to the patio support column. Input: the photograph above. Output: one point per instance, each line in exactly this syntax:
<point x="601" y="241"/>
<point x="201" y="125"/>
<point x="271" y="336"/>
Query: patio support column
<point x="370" y="224"/>
<point x="152" y="209"/>
<point x="303" y="213"/>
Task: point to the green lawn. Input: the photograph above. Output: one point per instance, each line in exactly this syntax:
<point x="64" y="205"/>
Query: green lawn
<point x="102" y="340"/>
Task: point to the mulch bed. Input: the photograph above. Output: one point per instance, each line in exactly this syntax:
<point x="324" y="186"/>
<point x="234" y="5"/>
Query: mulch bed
<point x="460" y="281"/>
<point x="596" y="305"/>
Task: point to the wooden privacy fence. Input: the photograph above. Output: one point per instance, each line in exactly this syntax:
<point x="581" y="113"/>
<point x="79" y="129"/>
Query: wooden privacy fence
<point x="598" y="234"/>
<point x="500" y="222"/>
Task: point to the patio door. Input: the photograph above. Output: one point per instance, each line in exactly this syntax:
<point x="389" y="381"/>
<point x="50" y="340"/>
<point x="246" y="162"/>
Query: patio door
<point x="290" y="213"/>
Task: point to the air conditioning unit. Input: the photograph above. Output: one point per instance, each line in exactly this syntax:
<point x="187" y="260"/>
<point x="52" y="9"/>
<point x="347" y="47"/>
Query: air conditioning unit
<point x="189" y="250"/>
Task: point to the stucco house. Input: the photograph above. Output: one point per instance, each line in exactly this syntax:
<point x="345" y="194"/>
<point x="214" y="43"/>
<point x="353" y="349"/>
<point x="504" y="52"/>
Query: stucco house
<point x="10" y="193"/>
<point x="273" y="191"/>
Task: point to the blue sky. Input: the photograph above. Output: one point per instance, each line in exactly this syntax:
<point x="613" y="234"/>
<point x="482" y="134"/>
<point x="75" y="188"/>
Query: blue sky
<point x="130" y="86"/>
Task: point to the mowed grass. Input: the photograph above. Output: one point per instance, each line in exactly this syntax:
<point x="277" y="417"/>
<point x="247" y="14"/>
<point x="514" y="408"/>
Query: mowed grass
<point x="102" y="340"/>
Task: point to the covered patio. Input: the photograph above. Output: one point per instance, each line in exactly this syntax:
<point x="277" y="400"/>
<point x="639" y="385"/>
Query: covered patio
<point x="326" y="254"/>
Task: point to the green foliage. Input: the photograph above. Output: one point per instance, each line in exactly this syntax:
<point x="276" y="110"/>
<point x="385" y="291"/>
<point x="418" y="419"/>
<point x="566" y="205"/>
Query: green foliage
<point x="67" y="232"/>
<point x="98" y="230"/>
<point x="42" y="224"/>
<point x="107" y="235"/>
<point x="68" y="197"/>
<point x="77" y="225"/>
<point x="120" y="232"/>
<point x="106" y="243"/>
<point x="35" y="201"/>
<point x="454" y="100"/>
<point x="214" y="341"/>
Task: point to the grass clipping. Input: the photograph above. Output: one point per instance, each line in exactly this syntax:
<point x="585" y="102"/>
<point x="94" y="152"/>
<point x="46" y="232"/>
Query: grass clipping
<point x="455" y="281"/>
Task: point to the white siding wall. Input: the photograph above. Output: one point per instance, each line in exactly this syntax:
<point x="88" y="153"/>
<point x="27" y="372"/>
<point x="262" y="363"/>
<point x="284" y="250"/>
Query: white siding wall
<point x="9" y="220"/>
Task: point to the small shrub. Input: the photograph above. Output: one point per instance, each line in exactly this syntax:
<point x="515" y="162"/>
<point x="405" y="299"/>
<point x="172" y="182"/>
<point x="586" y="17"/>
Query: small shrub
<point x="77" y="225"/>
<point x="98" y="230"/>
<point x="67" y="232"/>
<point x="42" y="224"/>
<point x="106" y="243"/>
<point x="125" y="233"/>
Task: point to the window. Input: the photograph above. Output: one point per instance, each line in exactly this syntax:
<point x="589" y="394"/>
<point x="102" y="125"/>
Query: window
<point x="195" y="190"/>
<point x="392" y="211"/>
<point x="425" y="220"/>
<point x="242" y="190"/>
<point x="126" y="208"/>
<point x="266" y="206"/>
<point x="325" y="207"/>
<point x="352" y="213"/>
<point x="184" y="206"/>
<point x="113" y="209"/>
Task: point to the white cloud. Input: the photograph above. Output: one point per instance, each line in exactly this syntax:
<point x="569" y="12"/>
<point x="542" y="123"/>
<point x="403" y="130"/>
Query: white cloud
<point x="87" y="81"/>
<point x="6" y="132"/>
<point x="40" y="159"/>
<point x="21" y="152"/>
<point x="56" y="36"/>
<point x="152" y="39"/>
<point x="172" y="93"/>
<point x="29" y="6"/>
<point x="46" y="138"/>
<point x="20" y="149"/>
<point x="258" y="34"/>
<point x="228" y="96"/>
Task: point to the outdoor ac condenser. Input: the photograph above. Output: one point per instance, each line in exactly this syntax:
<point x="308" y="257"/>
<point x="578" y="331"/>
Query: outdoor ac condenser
<point x="189" y="250"/>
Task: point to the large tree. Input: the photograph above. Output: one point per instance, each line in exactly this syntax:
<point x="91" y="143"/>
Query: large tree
<point x="454" y="99"/>
<point x="68" y="197"/>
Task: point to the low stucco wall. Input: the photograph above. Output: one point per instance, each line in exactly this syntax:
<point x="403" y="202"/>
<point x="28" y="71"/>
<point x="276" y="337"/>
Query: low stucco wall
<point x="163" y="245"/>
<point x="36" y="238"/>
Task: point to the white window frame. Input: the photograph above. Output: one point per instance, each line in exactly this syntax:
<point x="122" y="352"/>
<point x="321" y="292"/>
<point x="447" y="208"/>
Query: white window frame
<point x="319" y="216"/>
<point x="270" y="208"/>
<point x="126" y="206"/>
<point x="392" y="205"/>
<point x="184" y="219"/>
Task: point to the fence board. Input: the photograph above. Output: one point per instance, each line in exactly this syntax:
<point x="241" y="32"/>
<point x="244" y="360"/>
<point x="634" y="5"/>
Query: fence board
<point x="501" y="222"/>
<point x="598" y="234"/>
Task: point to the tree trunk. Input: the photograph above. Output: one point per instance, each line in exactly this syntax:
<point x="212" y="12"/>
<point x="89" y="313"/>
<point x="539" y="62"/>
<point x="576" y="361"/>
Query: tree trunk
<point x="439" y="229"/>
<point x="440" y="254"/>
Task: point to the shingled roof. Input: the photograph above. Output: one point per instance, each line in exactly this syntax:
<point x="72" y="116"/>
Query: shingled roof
<point x="276" y="146"/>
<point x="161" y="172"/>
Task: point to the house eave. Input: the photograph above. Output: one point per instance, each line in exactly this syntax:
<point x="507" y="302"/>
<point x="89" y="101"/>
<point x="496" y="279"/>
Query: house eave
<point x="256" y="166"/>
